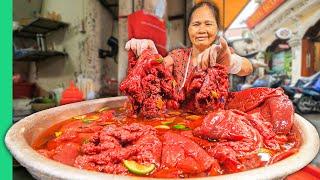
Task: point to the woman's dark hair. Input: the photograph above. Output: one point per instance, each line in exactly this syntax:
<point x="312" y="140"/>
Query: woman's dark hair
<point x="213" y="7"/>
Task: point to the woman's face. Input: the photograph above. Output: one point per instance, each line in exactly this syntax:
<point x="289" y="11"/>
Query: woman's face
<point x="203" y="28"/>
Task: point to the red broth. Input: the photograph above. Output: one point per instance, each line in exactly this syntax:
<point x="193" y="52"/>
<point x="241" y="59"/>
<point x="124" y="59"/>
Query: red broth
<point x="64" y="141"/>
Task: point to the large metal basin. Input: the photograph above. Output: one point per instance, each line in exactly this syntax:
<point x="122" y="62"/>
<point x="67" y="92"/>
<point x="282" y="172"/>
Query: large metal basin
<point x="22" y="134"/>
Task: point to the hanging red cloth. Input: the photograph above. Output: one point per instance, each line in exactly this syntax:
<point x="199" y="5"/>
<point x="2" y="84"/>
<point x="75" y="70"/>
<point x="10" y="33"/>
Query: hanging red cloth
<point x="142" y="25"/>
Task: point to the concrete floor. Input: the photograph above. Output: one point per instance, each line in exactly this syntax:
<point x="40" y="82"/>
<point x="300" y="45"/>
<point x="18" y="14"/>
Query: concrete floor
<point x="315" y="120"/>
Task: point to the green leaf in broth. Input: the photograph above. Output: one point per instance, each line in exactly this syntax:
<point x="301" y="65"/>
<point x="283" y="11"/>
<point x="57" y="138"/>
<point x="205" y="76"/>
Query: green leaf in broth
<point x="192" y="117"/>
<point x="57" y="134"/>
<point x="181" y="127"/>
<point x="162" y="127"/>
<point x="103" y="109"/>
<point x="168" y="121"/>
<point x="86" y="121"/>
<point x="85" y="141"/>
<point x="80" y="117"/>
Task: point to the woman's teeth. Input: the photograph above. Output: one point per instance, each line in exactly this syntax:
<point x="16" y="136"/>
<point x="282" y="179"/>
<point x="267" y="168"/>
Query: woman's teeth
<point x="201" y="38"/>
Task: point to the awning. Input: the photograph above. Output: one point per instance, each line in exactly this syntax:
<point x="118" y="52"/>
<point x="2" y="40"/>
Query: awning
<point x="229" y="10"/>
<point x="264" y="10"/>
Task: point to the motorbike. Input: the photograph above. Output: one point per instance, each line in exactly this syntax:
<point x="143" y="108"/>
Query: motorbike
<point x="306" y="98"/>
<point x="268" y="80"/>
<point x="291" y="90"/>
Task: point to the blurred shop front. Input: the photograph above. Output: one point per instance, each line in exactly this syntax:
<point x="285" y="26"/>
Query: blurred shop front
<point x="279" y="54"/>
<point x="288" y="31"/>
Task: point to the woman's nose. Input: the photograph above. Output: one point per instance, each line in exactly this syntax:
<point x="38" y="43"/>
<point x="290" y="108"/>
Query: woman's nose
<point x="202" y="29"/>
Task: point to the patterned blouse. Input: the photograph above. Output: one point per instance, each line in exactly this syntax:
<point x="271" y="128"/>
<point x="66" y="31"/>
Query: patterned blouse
<point x="180" y="60"/>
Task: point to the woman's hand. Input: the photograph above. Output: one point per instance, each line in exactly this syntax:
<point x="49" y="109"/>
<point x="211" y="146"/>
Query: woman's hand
<point x="139" y="45"/>
<point x="224" y="56"/>
<point x="236" y="64"/>
<point x="215" y="54"/>
<point x="208" y="57"/>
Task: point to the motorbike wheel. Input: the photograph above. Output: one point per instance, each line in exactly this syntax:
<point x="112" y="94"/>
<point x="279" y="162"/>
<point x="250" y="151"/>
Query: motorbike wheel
<point x="303" y="104"/>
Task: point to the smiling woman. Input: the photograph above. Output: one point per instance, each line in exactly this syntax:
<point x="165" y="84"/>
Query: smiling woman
<point x="203" y="28"/>
<point x="203" y="25"/>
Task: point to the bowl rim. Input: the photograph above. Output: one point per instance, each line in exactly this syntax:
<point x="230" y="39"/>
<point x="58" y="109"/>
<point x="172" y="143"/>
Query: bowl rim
<point x="35" y="162"/>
